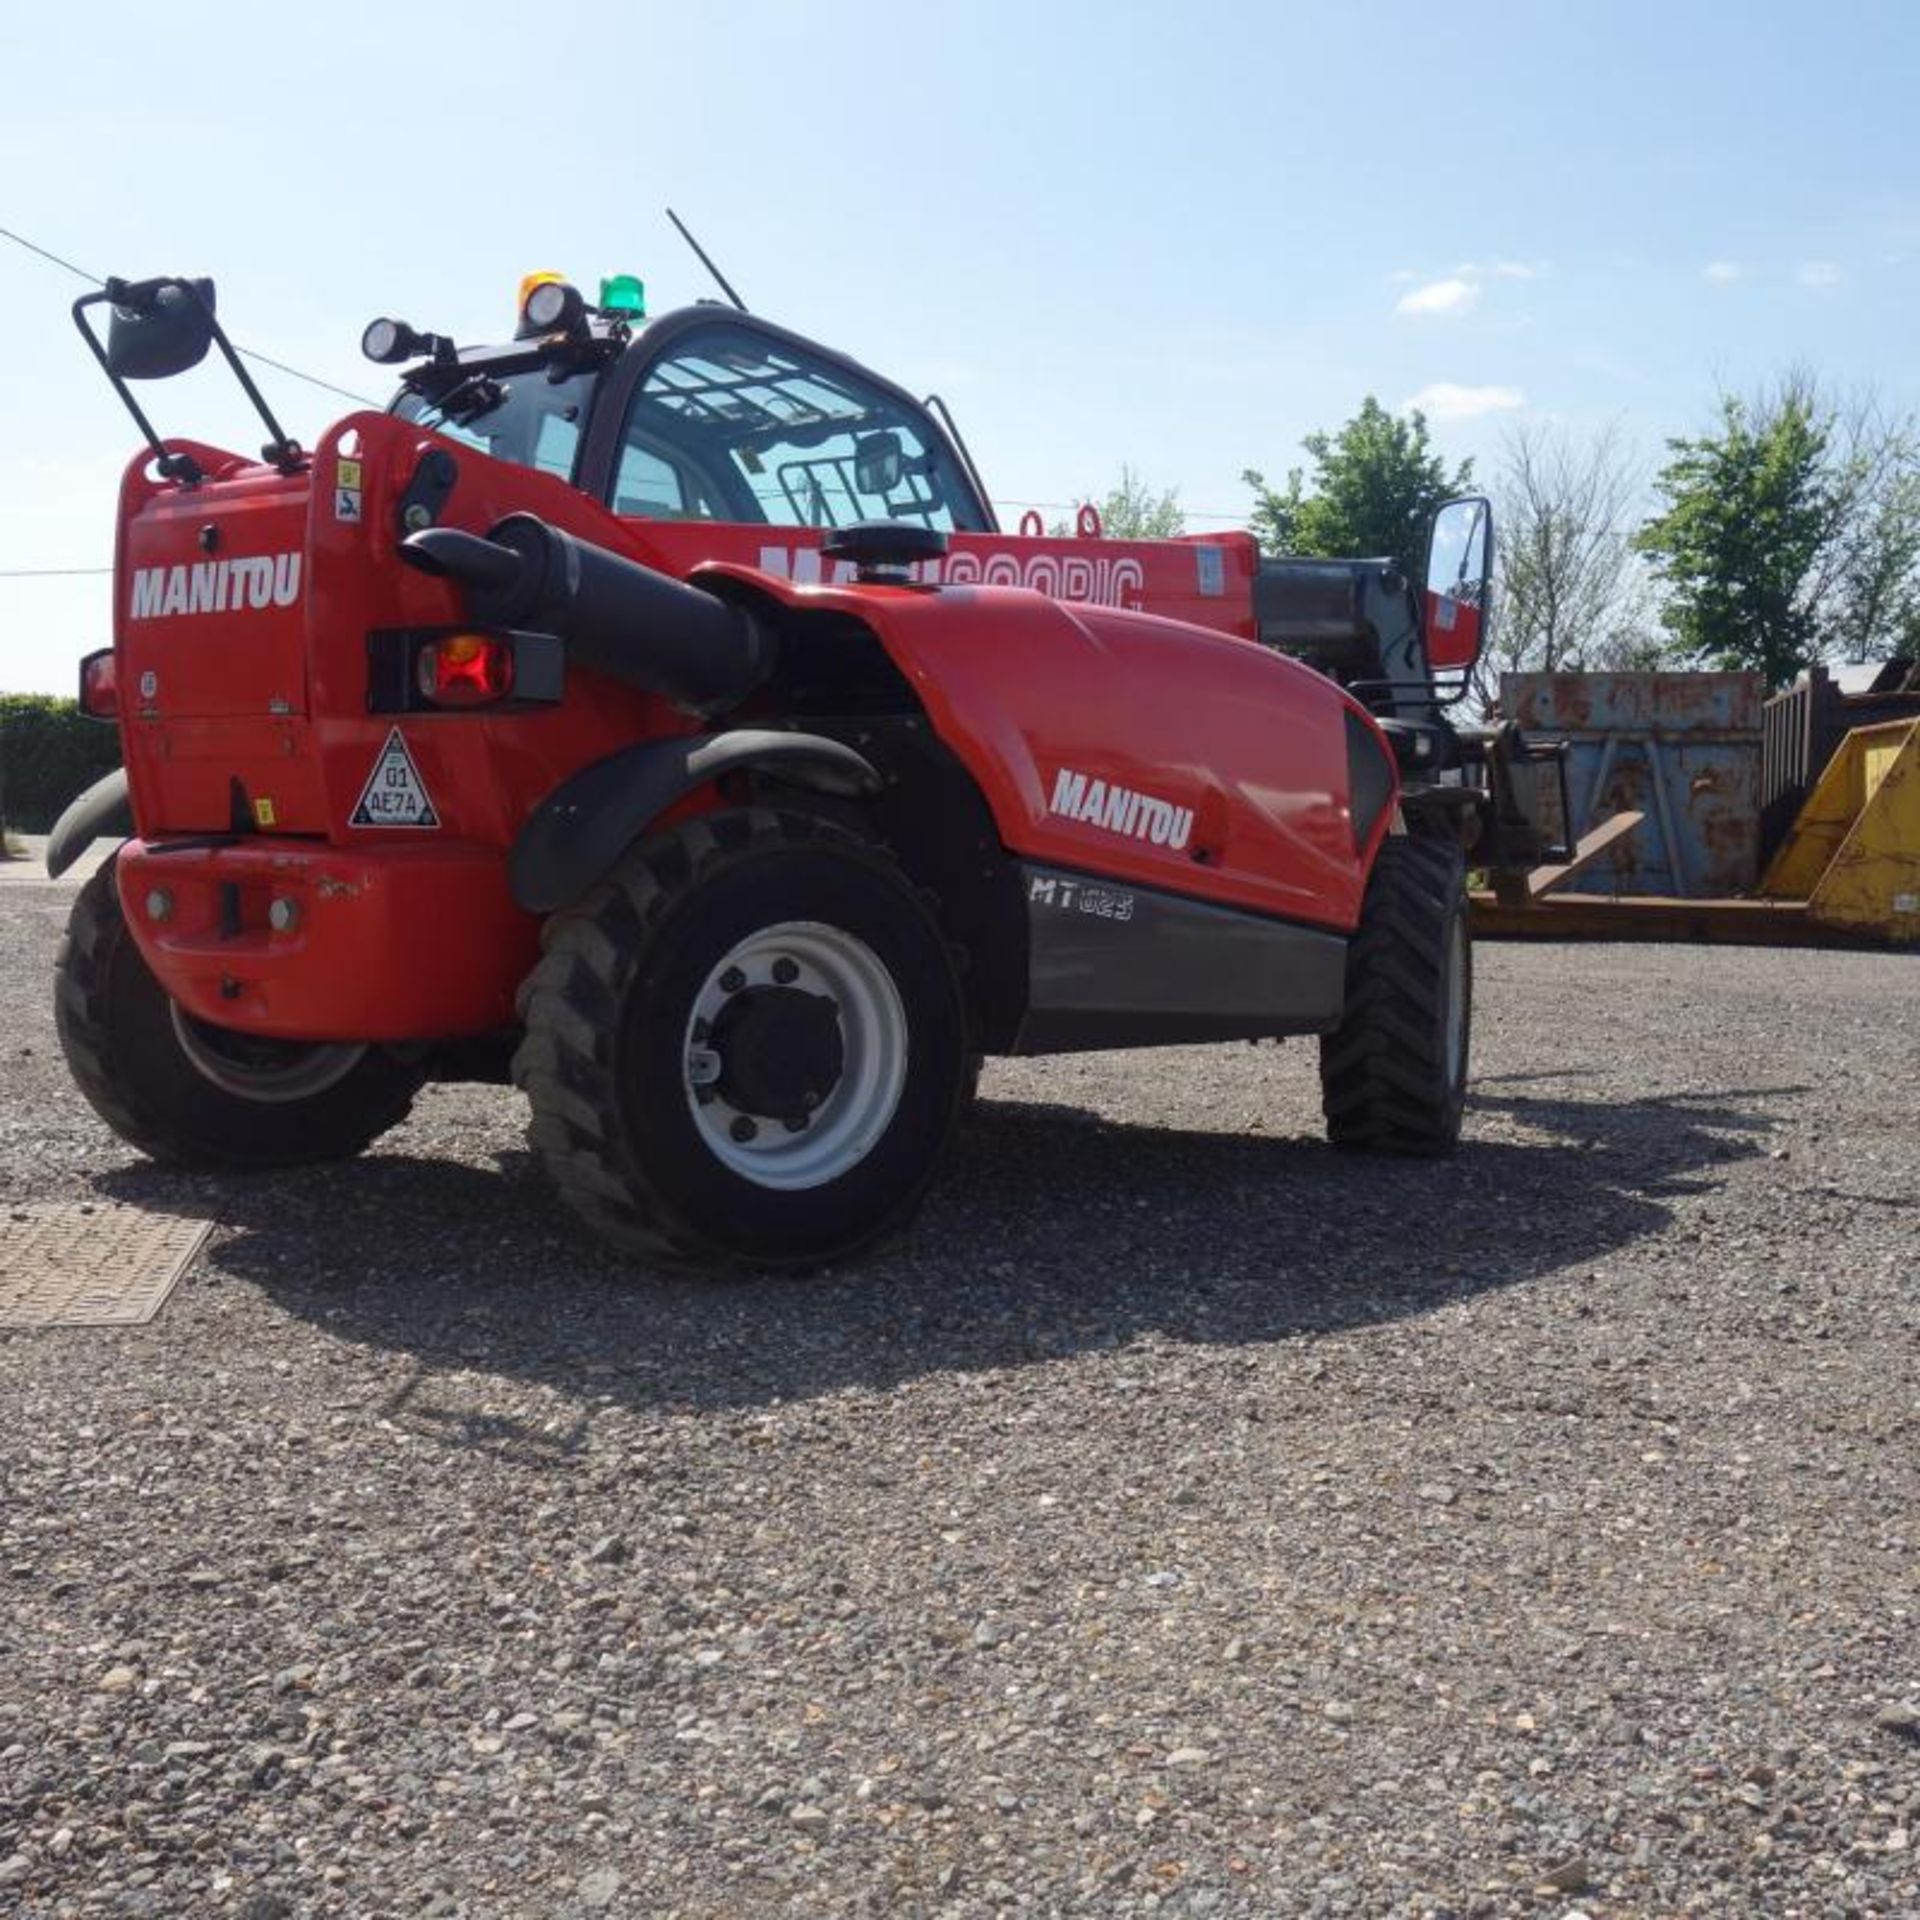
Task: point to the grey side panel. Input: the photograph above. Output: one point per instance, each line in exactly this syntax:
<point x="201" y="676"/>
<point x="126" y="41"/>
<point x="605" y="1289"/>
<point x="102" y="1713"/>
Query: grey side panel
<point x="1112" y="965"/>
<point x="575" y="835"/>
<point x="102" y="812"/>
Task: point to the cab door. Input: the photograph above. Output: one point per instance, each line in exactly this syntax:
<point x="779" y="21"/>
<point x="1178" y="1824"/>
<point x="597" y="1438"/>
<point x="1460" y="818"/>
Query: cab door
<point x="728" y="419"/>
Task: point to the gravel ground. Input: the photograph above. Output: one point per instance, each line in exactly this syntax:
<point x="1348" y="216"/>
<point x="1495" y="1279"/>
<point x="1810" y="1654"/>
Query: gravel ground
<point x="1183" y="1520"/>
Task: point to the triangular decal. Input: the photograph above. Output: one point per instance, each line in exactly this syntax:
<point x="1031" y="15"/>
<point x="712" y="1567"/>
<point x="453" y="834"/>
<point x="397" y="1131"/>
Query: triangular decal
<point x="395" y="795"/>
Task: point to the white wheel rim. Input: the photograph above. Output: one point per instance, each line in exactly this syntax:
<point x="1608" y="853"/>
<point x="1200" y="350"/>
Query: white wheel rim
<point x="1457" y="1000"/>
<point x="842" y="1130"/>
<point x="287" y="1071"/>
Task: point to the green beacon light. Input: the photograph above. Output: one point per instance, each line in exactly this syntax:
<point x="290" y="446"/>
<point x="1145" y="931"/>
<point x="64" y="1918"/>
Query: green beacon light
<point x="624" y="294"/>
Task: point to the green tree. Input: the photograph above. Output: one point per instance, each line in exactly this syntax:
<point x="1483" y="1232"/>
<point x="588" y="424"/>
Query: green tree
<point x="1135" y="511"/>
<point x="1790" y="532"/>
<point x="1747" y="511"/>
<point x="1375" y="484"/>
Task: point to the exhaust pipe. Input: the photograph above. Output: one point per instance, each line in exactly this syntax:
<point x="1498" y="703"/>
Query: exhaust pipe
<point x="616" y="615"/>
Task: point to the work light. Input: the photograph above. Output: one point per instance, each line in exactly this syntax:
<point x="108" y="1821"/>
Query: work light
<point x="386" y="341"/>
<point x="551" y="305"/>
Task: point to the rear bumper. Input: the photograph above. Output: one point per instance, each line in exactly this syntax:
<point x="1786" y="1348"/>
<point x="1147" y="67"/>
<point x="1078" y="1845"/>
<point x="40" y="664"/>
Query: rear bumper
<point x="403" y="943"/>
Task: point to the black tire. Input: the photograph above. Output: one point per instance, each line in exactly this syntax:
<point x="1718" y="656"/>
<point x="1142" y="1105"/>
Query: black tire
<point x="117" y="1029"/>
<point x="1393" y="1076"/>
<point x="608" y="1061"/>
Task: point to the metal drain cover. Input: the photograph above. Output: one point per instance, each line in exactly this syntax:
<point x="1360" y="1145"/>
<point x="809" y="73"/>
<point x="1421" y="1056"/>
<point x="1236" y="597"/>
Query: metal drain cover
<point x="91" y="1263"/>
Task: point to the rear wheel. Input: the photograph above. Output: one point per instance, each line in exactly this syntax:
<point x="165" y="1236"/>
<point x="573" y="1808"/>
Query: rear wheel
<point x="193" y="1094"/>
<point x="746" y="1045"/>
<point x="1394" y="1075"/>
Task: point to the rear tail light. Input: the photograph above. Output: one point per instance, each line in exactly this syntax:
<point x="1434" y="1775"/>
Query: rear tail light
<point x="465" y="670"/>
<point x="99" y="686"/>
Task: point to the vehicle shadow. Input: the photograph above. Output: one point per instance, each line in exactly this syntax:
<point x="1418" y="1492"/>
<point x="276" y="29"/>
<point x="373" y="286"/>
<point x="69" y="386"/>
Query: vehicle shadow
<point x="1051" y="1232"/>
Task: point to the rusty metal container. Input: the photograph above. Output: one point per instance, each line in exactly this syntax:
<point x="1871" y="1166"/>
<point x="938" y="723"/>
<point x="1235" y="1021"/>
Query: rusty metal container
<point x="1682" y="748"/>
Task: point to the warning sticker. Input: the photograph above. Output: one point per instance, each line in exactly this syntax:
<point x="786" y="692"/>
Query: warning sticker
<point x="395" y="795"/>
<point x="346" y="490"/>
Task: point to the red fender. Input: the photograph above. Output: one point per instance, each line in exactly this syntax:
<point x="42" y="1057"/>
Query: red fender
<point x="1130" y="746"/>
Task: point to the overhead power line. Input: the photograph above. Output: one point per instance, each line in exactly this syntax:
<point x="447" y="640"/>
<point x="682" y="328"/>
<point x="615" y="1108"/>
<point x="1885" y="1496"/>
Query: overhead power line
<point x="360" y="399"/>
<point x="33" y="246"/>
<point x="249" y="353"/>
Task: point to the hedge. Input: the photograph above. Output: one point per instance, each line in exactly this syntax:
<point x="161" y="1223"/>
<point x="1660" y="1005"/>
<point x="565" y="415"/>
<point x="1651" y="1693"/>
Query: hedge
<point x="49" y="751"/>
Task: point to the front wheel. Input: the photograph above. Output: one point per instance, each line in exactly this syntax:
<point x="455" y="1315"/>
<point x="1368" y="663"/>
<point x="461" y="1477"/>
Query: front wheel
<point x="1393" y="1075"/>
<point x="196" y="1095"/>
<point x="746" y="1046"/>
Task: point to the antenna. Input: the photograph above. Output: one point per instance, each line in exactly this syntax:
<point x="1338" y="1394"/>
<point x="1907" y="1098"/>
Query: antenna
<point x="725" y="286"/>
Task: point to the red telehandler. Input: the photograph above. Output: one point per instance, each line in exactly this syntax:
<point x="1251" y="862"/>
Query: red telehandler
<point x="653" y="711"/>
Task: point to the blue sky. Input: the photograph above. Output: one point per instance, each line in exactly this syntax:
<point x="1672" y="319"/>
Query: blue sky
<point x="1179" y="238"/>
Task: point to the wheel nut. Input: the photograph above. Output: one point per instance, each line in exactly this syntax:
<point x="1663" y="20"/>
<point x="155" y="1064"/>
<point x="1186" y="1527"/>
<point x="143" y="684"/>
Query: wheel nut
<point x="796" y="1126"/>
<point x="283" y="915"/>
<point x="159" y="904"/>
<point x="785" y="973"/>
<point x="744" y="1130"/>
<point x="732" y="980"/>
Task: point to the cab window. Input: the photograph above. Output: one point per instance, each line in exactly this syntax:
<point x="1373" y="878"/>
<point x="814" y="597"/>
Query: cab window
<point x="731" y="425"/>
<point x="651" y="484"/>
<point x="526" y="416"/>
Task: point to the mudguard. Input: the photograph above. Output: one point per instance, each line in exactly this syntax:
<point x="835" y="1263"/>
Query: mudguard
<point x="1141" y="750"/>
<point x="575" y="835"/>
<point x="103" y="811"/>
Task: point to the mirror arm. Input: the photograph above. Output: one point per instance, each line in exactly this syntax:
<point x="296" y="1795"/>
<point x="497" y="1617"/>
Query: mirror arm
<point x="282" y="451"/>
<point x="175" y="466"/>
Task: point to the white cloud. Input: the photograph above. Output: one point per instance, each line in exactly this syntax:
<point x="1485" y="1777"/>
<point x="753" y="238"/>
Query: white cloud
<point x="1817" y="274"/>
<point x="1448" y="400"/>
<point x="1722" y="273"/>
<point x="1459" y="291"/>
<point x="1452" y="295"/>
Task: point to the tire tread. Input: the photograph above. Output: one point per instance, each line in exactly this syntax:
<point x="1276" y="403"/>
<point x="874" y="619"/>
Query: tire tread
<point x="1386" y="1083"/>
<point x="84" y="1019"/>
<point x="570" y="1005"/>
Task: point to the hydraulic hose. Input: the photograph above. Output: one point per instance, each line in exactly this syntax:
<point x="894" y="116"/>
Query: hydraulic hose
<point x="615" y="614"/>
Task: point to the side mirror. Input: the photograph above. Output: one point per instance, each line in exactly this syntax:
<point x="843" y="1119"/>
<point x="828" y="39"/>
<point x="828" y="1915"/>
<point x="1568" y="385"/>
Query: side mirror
<point x="1459" y="582"/>
<point x="159" y="329"/>
<point x="877" y="461"/>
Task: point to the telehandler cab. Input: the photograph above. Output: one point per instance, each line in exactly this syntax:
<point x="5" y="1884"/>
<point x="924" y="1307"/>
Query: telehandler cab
<point x="657" y="706"/>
